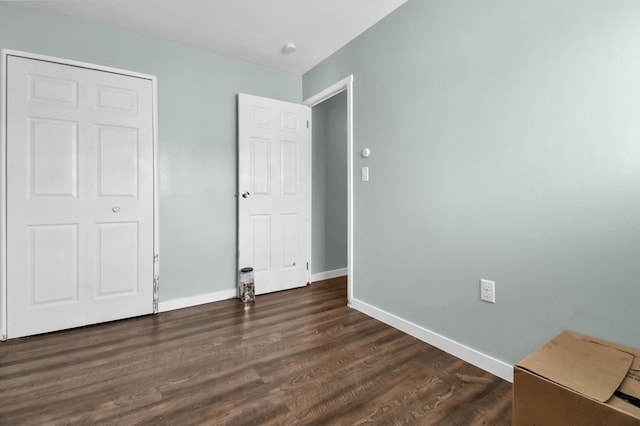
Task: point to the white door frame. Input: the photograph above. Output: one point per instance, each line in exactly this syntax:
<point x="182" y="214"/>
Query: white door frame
<point x="4" y="54"/>
<point x="343" y="85"/>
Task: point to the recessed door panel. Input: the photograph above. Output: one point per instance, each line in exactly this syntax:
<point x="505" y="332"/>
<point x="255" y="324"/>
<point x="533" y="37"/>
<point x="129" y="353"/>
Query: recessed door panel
<point x="117" y="161"/>
<point x="53" y="158"/>
<point x="53" y="264"/>
<point x="117" y="99"/>
<point x="260" y="166"/>
<point x="289" y="121"/>
<point x="289" y="167"/>
<point x="53" y="90"/>
<point x="117" y="258"/>
<point x="260" y="117"/>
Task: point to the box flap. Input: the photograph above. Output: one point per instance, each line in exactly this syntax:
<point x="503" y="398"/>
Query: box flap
<point x="631" y="384"/>
<point x="587" y="367"/>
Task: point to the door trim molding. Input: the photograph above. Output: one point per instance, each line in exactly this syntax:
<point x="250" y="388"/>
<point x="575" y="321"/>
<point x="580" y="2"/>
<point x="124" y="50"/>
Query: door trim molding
<point x="346" y="84"/>
<point x="4" y="55"/>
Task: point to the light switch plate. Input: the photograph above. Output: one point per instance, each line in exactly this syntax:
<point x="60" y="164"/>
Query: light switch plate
<point x="365" y="174"/>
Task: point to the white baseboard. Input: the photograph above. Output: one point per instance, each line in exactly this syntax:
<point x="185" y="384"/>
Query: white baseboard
<point x="201" y="299"/>
<point x="320" y="276"/>
<point x="483" y="361"/>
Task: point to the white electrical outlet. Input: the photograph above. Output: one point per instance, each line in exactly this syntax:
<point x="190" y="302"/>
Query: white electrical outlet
<point x="488" y="291"/>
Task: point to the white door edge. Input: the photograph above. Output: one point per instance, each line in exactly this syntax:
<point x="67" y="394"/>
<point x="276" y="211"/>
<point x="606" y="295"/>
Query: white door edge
<point x="4" y="54"/>
<point x="156" y="198"/>
<point x="3" y="196"/>
<point x="346" y="84"/>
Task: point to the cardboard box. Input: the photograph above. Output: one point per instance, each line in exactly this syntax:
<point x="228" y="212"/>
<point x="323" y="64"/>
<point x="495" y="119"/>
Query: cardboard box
<point x="572" y="380"/>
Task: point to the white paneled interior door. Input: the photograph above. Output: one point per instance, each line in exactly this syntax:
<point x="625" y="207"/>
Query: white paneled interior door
<point x="274" y="187"/>
<point x="80" y="196"/>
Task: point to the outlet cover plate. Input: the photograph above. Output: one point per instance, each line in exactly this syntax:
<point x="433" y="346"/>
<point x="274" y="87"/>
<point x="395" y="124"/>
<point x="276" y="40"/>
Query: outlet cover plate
<point x="488" y="291"/>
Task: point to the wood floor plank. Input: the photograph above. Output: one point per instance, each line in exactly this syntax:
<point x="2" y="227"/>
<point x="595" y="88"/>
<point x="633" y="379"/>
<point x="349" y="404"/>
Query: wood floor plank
<point x="298" y="357"/>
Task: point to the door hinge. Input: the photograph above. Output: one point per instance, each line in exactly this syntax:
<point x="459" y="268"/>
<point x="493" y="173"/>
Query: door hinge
<point x="307" y="266"/>
<point x="307" y="124"/>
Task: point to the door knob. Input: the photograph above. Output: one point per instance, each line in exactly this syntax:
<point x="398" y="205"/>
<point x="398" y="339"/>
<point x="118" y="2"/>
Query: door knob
<point x="115" y="209"/>
<point x="245" y="194"/>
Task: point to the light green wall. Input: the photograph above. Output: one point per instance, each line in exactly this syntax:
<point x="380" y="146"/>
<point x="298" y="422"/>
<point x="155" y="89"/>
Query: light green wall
<point x="329" y="210"/>
<point x="197" y="134"/>
<point x="505" y="140"/>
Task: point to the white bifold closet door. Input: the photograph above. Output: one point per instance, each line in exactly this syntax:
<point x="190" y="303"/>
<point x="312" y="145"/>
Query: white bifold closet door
<point x="80" y="196"/>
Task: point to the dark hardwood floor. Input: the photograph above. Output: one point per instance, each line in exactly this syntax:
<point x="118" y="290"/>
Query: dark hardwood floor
<point x="298" y="357"/>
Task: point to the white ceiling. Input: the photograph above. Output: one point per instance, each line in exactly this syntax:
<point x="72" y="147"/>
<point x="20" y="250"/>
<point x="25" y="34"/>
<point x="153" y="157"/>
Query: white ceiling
<point x="253" y="30"/>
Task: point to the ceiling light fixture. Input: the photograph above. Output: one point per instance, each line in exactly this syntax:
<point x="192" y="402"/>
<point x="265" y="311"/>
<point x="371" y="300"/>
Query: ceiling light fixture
<point x="289" y="48"/>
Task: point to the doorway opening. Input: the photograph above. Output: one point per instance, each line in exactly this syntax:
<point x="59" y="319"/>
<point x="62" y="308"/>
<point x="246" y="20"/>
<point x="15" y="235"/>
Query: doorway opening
<point x="336" y="99"/>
